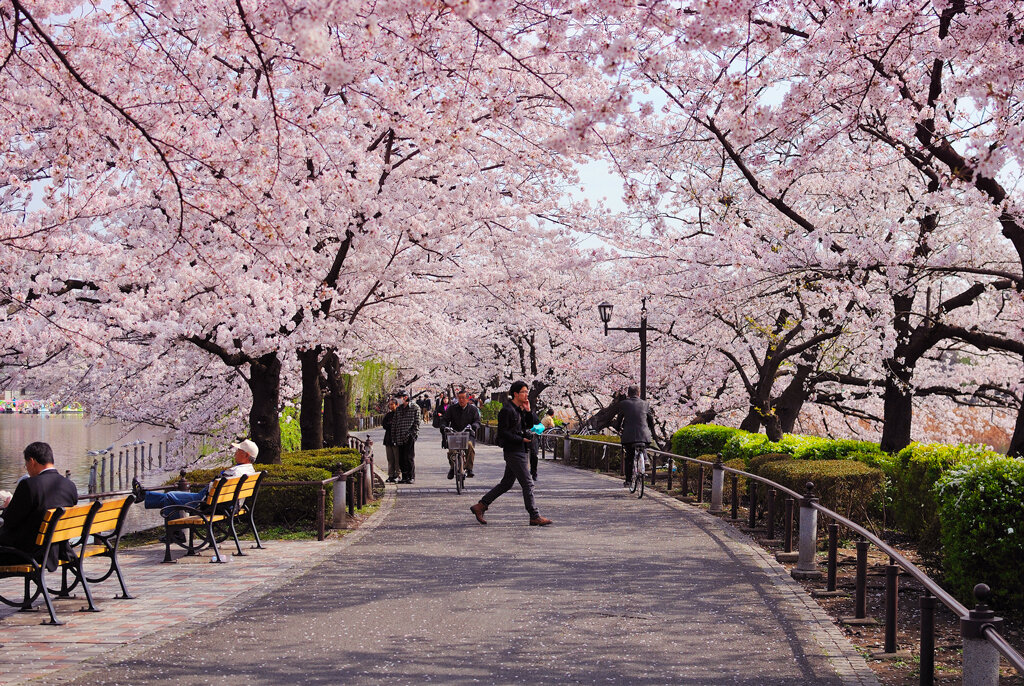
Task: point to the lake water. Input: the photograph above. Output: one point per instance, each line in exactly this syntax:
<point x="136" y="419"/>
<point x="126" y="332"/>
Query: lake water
<point x="70" y="436"/>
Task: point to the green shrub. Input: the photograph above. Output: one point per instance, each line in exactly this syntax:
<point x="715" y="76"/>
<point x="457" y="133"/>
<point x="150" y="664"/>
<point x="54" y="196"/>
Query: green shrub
<point x="333" y="460"/>
<point x="489" y="411"/>
<point x="982" y="525"/>
<point x="755" y="463"/>
<point x="846" y="487"/>
<point x="912" y="477"/>
<point x="745" y="445"/>
<point x="291" y="435"/>
<point x="701" y="439"/>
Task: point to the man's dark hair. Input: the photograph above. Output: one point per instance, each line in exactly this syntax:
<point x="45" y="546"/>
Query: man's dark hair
<point x="633" y="392"/>
<point x="516" y="387"/>
<point x="39" y="452"/>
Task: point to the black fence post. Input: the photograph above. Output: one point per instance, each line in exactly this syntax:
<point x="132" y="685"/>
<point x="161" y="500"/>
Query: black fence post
<point x="320" y="508"/>
<point x="700" y="484"/>
<point x="735" y="481"/>
<point x="833" y="544"/>
<point x="751" y="503"/>
<point x="928" y="603"/>
<point x="671" y="468"/>
<point x="788" y="534"/>
<point x="860" y="598"/>
<point x="771" y="514"/>
<point x="892" y="594"/>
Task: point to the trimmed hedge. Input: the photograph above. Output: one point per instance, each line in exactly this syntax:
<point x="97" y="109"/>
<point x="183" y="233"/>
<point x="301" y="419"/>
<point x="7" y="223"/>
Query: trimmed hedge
<point x="982" y="524"/>
<point x="287" y="505"/>
<point x="843" y="486"/>
<point x="912" y="477"/>
<point x="334" y="460"/>
<point x="701" y="439"/>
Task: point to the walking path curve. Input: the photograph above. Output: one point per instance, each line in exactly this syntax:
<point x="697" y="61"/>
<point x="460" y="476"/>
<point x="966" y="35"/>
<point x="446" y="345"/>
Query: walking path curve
<point x="618" y="590"/>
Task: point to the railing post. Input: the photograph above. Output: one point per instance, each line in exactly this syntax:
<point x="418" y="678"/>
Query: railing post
<point x="771" y="514"/>
<point x="981" y="659"/>
<point x="700" y="483"/>
<point x="160" y="454"/>
<point x="349" y="492"/>
<point x="860" y="597"/>
<point x="182" y="484"/>
<point x="735" y="501"/>
<point x="892" y="594"/>
<point x="717" y="483"/>
<point x="928" y="603"/>
<point x="788" y="533"/>
<point x="320" y="513"/>
<point x="833" y="545"/>
<point x="92" y="476"/>
<point x="685" y="486"/>
<point x="654" y="469"/>
<point x="806" y="566"/>
<point x="671" y="468"/>
<point x="751" y="503"/>
<point x="566" y="449"/>
<point x="339" y="503"/>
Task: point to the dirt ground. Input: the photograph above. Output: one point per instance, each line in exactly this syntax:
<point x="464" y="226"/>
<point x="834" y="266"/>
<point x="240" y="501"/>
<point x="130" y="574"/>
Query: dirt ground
<point x="902" y="669"/>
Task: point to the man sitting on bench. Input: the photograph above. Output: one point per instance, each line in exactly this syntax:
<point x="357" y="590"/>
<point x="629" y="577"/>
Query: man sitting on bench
<point x="44" y="488"/>
<point x="245" y="453"/>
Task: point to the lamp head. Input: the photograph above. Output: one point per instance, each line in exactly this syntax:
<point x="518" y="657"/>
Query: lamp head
<point x="605" y="310"/>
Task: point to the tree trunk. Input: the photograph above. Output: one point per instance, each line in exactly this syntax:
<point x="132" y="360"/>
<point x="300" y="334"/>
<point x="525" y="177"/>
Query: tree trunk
<point x="338" y="395"/>
<point x="328" y="416"/>
<point x="264" y="426"/>
<point x="752" y="422"/>
<point x="311" y="423"/>
<point x="792" y="399"/>
<point x="1016" y="448"/>
<point x="898" y="412"/>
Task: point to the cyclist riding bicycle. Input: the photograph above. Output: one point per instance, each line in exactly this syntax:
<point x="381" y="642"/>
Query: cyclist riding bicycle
<point x="459" y="417"/>
<point x="635" y="423"/>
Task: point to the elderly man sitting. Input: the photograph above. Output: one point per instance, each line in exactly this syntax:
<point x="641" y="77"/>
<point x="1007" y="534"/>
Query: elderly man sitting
<point x="245" y="453"/>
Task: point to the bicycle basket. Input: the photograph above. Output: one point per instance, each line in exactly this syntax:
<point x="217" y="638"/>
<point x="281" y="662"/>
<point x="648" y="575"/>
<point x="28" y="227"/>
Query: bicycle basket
<point x="458" y="441"/>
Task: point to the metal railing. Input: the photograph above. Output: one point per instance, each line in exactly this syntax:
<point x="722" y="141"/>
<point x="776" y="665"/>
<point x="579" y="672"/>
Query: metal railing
<point x="979" y="626"/>
<point x="119" y="466"/>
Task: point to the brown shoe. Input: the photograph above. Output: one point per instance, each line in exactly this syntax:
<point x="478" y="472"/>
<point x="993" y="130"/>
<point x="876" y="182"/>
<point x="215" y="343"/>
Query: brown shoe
<point x="479" y="510"/>
<point x="539" y="521"/>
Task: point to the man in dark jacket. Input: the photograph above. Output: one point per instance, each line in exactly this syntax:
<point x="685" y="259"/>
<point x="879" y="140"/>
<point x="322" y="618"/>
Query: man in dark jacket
<point x="405" y="427"/>
<point x="44" y="489"/>
<point x="635" y="423"/>
<point x="390" y="449"/>
<point x="514" y="422"/>
<point x="459" y="417"/>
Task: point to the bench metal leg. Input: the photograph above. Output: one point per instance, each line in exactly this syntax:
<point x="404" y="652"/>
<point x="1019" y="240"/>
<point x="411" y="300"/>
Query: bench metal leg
<point x="46" y="598"/>
<point x="213" y="543"/>
<point x="255" y="533"/>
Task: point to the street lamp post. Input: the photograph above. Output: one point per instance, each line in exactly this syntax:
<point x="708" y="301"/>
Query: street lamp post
<point x="605" y="311"/>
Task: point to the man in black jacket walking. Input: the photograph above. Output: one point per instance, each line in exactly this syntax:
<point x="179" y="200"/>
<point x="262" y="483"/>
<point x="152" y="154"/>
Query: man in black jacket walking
<point x="514" y="422"/>
<point x="405" y="427"/>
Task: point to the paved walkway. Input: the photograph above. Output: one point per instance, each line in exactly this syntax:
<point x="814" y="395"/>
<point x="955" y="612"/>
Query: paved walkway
<point x="616" y="591"/>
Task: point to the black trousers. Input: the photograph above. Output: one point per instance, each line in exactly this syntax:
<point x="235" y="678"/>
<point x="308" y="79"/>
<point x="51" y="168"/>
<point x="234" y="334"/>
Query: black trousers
<point x="628" y="457"/>
<point x="517" y="468"/>
<point x="534" y="452"/>
<point x="407" y="459"/>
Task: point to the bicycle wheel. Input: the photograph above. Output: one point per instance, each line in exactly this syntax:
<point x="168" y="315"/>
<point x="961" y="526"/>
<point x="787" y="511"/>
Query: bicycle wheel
<point x="640" y="471"/>
<point x="460" y="473"/>
<point x="633" y="482"/>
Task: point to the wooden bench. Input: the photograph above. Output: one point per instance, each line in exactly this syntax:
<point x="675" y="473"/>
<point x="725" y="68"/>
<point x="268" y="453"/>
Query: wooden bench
<point x="101" y="539"/>
<point x="243" y="507"/>
<point x="222" y="506"/>
<point x="58" y="526"/>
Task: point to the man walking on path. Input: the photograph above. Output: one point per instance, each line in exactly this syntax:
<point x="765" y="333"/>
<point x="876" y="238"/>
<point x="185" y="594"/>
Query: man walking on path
<point x="390" y="449"/>
<point x="405" y="427"/>
<point x="459" y="417"/>
<point x="635" y="423"/>
<point x="514" y="437"/>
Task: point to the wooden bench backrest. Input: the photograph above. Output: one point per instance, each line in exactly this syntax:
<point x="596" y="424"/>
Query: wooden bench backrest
<point x="248" y="487"/>
<point x="64" y="527"/>
<point x="107" y="515"/>
<point x="223" y="490"/>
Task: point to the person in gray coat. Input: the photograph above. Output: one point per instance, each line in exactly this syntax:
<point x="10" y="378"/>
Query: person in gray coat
<point x="635" y="424"/>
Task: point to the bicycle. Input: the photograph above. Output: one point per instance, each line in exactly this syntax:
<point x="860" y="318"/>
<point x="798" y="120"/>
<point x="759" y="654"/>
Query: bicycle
<point x="636" y="484"/>
<point x="458" y="442"/>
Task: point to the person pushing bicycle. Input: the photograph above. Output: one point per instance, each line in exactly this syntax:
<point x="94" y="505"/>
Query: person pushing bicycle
<point x="459" y="417"/>
<point x="635" y="424"/>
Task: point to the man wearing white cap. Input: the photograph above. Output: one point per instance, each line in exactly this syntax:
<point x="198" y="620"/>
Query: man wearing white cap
<point x="245" y="452"/>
